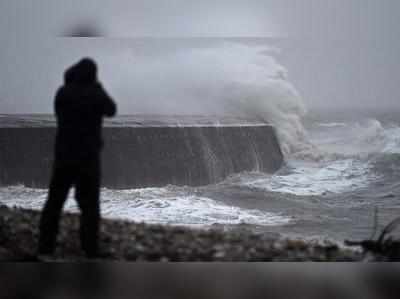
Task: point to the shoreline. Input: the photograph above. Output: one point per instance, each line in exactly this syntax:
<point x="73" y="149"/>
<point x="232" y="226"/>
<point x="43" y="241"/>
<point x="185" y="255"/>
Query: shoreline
<point x="129" y="241"/>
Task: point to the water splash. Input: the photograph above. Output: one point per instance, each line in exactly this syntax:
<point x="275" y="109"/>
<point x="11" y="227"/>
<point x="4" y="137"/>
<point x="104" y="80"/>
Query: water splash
<point x="168" y="205"/>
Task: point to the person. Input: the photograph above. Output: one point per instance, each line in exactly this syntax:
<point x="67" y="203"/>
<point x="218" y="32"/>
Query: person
<point x="80" y="105"/>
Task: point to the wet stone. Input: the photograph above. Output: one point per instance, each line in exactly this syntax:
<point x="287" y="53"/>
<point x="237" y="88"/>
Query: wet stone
<point x="122" y="240"/>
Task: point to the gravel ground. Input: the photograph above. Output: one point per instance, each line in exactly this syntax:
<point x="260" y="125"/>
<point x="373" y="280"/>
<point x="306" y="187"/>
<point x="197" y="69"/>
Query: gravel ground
<point x="122" y="240"/>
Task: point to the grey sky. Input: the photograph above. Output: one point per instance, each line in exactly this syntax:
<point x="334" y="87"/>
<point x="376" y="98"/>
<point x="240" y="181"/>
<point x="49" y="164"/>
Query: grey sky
<point x="338" y="52"/>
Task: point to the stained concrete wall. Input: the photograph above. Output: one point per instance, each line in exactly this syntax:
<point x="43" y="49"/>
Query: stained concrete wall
<point x="148" y="156"/>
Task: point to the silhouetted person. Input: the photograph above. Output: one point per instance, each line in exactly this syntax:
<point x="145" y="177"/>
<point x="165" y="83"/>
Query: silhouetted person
<point x="80" y="105"/>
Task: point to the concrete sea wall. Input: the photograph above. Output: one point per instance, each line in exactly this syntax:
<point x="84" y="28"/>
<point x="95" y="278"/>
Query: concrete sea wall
<point x="148" y="156"/>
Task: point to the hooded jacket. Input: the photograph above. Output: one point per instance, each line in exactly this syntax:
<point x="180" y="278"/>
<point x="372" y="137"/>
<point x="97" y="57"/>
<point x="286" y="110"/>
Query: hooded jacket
<point x="80" y="105"/>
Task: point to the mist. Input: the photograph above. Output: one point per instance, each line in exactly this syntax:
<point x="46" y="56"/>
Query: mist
<point x="342" y="54"/>
<point x="278" y="116"/>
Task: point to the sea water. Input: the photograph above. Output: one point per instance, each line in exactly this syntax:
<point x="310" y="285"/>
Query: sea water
<point x="340" y="166"/>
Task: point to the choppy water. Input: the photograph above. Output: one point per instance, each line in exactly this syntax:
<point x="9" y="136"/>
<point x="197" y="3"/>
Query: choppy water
<point x="331" y="193"/>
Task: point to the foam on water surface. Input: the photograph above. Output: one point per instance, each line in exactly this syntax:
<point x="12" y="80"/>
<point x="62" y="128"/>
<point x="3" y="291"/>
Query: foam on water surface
<point x="343" y="160"/>
<point x="308" y="178"/>
<point x="169" y="205"/>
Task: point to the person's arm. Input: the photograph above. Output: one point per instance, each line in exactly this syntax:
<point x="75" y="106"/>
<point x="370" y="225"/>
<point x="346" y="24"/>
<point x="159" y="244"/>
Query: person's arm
<point x="58" y="103"/>
<point x="108" y="106"/>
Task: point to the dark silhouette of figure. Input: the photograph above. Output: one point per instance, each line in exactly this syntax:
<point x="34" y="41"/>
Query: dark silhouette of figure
<point x="80" y="105"/>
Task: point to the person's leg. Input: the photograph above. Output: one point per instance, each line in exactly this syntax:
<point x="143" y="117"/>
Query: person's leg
<point x="87" y="196"/>
<point x="60" y="183"/>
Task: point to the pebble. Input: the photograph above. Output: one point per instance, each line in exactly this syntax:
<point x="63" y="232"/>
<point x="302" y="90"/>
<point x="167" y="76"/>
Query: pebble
<point x="124" y="240"/>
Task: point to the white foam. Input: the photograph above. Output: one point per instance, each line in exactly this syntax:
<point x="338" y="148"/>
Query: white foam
<point x="170" y="205"/>
<point x="392" y="136"/>
<point x="228" y="78"/>
<point x="307" y="178"/>
<point x="348" y="151"/>
<point x="358" y="139"/>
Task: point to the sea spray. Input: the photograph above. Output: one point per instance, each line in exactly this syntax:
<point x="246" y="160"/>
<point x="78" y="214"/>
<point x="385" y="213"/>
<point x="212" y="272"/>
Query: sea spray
<point x="227" y="78"/>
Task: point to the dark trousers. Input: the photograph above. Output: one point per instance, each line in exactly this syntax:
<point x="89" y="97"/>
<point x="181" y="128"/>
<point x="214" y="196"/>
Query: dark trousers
<point x="85" y="176"/>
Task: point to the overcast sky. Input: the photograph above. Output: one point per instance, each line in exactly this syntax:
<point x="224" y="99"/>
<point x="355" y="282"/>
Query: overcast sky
<point x="337" y="52"/>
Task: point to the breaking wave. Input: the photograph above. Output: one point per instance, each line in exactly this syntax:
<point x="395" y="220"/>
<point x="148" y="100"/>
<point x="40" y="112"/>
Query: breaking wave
<point x="229" y="78"/>
<point x="169" y="205"/>
<point x="355" y="156"/>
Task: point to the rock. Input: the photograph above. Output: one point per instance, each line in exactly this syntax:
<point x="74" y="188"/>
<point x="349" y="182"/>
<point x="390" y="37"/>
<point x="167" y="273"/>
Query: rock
<point x="124" y="240"/>
<point x="6" y="255"/>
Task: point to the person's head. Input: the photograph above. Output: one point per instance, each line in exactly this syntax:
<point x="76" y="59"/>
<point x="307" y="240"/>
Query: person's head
<point x="82" y="73"/>
<point x="69" y="75"/>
